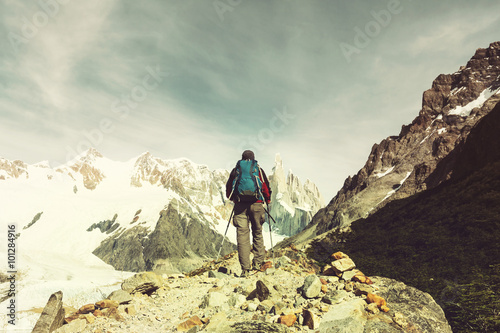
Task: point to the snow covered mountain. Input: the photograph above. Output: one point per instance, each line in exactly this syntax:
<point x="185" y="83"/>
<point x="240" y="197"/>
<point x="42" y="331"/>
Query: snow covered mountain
<point x="86" y="223"/>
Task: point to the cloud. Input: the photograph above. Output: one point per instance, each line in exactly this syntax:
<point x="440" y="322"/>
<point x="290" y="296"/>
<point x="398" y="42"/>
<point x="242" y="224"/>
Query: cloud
<point x="226" y="79"/>
<point x="452" y="31"/>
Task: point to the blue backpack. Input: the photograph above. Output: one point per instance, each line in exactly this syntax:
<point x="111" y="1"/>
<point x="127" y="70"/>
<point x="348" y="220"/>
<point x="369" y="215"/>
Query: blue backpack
<point x="247" y="184"/>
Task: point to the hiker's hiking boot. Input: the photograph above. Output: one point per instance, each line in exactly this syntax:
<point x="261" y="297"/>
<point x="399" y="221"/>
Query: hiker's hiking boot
<point x="245" y="273"/>
<point x="256" y="267"/>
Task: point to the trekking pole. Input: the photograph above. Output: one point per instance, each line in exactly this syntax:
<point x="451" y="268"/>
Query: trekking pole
<point x="223" y="238"/>
<point x="270" y="232"/>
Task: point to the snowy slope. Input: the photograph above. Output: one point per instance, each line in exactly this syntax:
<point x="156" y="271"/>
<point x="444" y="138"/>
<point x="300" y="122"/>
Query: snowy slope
<point x="55" y="252"/>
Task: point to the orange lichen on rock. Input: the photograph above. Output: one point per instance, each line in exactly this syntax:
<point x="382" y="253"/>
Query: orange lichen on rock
<point x="362" y="279"/>
<point x="339" y="255"/>
<point x="381" y="303"/>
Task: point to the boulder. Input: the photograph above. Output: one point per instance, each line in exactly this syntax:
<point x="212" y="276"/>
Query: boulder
<point x="343" y="265"/>
<point x="52" y="316"/>
<point x="213" y="299"/>
<point x="346" y="316"/>
<point x="120" y="296"/>
<point x="76" y="326"/>
<point x="144" y="283"/>
<point x="417" y="307"/>
<point x="311" y="287"/>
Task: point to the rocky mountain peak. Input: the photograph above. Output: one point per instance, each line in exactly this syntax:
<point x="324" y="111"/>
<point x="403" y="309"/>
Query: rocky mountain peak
<point x="84" y="166"/>
<point x="12" y="169"/>
<point x="293" y="203"/>
<point x="399" y="166"/>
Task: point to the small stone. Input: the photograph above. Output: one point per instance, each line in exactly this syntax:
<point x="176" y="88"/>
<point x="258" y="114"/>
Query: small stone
<point x="372" y="308"/>
<point x="75" y="326"/>
<point x="213" y="299"/>
<point x="278" y="308"/>
<point x="270" y="271"/>
<point x="311" y="287"/>
<point x="112" y="313"/>
<point x="328" y="270"/>
<point x="324" y="289"/>
<point x="348" y="275"/>
<point x="343" y="265"/>
<point x="381" y="303"/>
<point x="262" y="291"/>
<point x="282" y="262"/>
<point x="349" y="286"/>
<point x="362" y="279"/>
<point x="190" y="323"/>
<point x="310" y="319"/>
<point x="130" y="310"/>
<point x="266" y="265"/>
<point x="216" y="321"/>
<point x="266" y="306"/>
<point x="332" y="279"/>
<point x="323" y="281"/>
<point x="252" y="307"/>
<point x="98" y="313"/>
<point x="121" y="296"/>
<point x="287" y="320"/>
<point x="224" y="270"/>
<point x="217" y="275"/>
<point x="89" y="318"/>
<point x="339" y="255"/>
<point x="334" y="297"/>
<point x="107" y="303"/>
<point x="236" y="300"/>
<point x="86" y="309"/>
<point x="400" y="319"/>
<point x="362" y="289"/>
<point x="72" y="317"/>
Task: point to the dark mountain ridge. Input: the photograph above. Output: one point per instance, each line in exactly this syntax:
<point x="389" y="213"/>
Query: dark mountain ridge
<point x="445" y="240"/>
<point x="400" y="166"/>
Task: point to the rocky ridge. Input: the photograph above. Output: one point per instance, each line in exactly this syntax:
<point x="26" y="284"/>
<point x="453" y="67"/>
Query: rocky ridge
<point x="335" y="298"/>
<point x="400" y="166"/>
<point x="293" y="204"/>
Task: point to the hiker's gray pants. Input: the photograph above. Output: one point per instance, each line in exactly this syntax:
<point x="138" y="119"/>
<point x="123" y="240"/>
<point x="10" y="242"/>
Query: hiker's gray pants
<point x="248" y="215"/>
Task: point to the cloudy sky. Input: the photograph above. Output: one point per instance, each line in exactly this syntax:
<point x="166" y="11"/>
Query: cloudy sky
<point x="318" y="81"/>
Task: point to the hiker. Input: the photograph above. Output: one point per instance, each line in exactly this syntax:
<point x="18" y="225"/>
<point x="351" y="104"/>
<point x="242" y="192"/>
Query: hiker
<point x="248" y="187"/>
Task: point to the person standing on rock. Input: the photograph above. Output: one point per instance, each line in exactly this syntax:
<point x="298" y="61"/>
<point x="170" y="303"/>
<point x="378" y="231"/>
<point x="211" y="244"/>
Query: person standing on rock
<point x="248" y="187"/>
